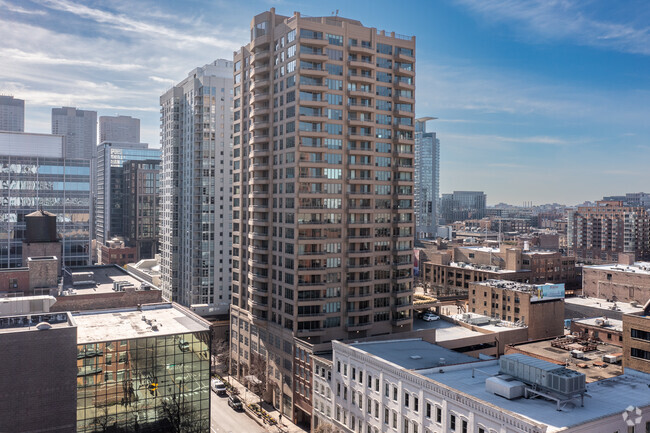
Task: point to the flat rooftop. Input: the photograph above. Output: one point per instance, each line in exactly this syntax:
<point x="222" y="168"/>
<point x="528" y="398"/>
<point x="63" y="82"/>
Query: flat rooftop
<point x="413" y="354"/>
<point x="487" y="268"/>
<point x="543" y="348"/>
<point x="29" y="322"/>
<point x="606" y="397"/>
<point x="445" y="331"/>
<point x="124" y="324"/>
<point x="604" y="323"/>
<point x="622" y="307"/>
<point x="104" y="276"/>
<point x="642" y="268"/>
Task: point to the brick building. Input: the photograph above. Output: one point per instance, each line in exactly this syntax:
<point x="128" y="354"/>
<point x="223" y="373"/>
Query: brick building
<point x="636" y="340"/>
<point x="454" y="269"/>
<point x="627" y="281"/>
<point x="532" y="305"/>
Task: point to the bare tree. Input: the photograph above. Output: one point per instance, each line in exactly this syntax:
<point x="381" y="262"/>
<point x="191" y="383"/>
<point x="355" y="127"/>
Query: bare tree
<point x="179" y="414"/>
<point x="258" y="370"/>
<point x="221" y="354"/>
<point x="102" y="419"/>
<point x="325" y="428"/>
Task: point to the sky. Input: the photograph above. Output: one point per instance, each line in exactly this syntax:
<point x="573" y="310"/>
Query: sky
<point x="539" y="100"/>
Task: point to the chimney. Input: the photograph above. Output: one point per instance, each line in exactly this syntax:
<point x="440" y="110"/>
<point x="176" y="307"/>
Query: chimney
<point x="626" y="259"/>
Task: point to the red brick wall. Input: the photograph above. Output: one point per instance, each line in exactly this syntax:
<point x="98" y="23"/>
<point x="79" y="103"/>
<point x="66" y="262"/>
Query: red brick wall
<point x="22" y="275"/>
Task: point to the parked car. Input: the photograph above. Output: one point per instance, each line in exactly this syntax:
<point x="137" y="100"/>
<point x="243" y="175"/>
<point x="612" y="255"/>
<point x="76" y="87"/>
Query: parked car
<point x="429" y="317"/>
<point x="235" y="402"/>
<point x="219" y="387"/>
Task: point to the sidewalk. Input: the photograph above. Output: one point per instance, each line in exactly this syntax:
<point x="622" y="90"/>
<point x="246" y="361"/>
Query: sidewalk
<point x="248" y="397"/>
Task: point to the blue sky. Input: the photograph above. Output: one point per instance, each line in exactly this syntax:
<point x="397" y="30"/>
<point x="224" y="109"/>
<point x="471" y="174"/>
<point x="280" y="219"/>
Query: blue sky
<point x="538" y="100"/>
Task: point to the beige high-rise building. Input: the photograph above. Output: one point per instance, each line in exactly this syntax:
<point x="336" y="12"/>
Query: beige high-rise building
<point x="323" y="171"/>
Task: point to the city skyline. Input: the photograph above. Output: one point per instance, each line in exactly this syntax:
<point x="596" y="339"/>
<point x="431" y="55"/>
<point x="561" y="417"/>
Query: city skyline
<point x="550" y="94"/>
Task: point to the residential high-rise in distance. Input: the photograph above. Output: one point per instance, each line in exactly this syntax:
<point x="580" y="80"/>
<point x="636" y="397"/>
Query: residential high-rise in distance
<point x="322" y="193"/>
<point x="195" y="214"/>
<point x="124" y="129"/>
<point x="427" y="180"/>
<point x="12" y="114"/>
<point x="462" y="205"/>
<point x="597" y="234"/>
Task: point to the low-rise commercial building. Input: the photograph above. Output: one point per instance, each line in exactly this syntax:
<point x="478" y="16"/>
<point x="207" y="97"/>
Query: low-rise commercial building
<point x="600" y="329"/>
<point x="626" y="281"/>
<point x="455" y="268"/>
<point x="141" y="369"/>
<point x="38" y="374"/>
<point x="540" y="307"/>
<point x="413" y="386"/>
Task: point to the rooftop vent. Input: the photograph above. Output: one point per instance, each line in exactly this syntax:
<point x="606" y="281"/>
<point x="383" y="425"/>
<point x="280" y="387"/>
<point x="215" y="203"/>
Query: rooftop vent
<point x="415" y="357"/>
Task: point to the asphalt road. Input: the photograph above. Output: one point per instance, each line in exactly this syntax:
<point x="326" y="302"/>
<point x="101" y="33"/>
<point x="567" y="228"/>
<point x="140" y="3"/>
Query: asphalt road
<point x="223" y="419"/>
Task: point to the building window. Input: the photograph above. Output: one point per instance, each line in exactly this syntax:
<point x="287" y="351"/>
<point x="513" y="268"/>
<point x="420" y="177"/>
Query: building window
<point x="452" y="422"/>
<point x="428" y="410"/>
<point x="438" y="415"/>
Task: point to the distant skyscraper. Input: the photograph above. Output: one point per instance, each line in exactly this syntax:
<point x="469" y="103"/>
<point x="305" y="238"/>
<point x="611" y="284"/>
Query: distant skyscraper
<point x="79" y="127"/>
<point x="111" y="197"/>
<point x="462" y="205"/>
<point x="427" y="174"/>
<point x="196" y="180"/>
<point x="35" y="174"/>
<point x="123" y="129"/>
<point x="12" y="114"/>
<point x="322" y="194"/>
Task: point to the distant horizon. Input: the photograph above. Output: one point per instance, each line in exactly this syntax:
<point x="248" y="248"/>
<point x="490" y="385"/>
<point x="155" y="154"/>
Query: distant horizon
<point x="535" y="101"/>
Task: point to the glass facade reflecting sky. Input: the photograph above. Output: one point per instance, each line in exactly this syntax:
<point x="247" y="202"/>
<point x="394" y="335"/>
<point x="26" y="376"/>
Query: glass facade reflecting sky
<point x="59" y="186"/>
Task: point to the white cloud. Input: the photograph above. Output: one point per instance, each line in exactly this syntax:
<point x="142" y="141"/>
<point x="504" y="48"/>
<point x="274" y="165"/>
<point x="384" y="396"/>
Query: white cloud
<point x="19" y="10"/>
<point x="566" y="19"/>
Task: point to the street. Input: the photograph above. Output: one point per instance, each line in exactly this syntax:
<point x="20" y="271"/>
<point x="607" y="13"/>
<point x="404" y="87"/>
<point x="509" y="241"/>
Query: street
<point x="223" y="419"/>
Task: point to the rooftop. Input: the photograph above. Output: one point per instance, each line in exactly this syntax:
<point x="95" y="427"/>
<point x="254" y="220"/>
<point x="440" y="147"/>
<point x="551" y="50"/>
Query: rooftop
<point x="30" y="322"/>
<point x="413" y="354"/>
<point x="642" y="268"/>
<point x="602" y="304"/>
<point x="488" y="268"/>
<point x="124" y="324"/>
<point x="104" y="277"/>
<point x="594" y="372"/>
<point x="603" y="322"/>
<point x="606" y="397"/>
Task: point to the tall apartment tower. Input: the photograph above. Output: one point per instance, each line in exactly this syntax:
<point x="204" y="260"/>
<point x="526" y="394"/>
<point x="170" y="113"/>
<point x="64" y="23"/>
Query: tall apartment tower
<point x="427" y="180"/>
<point x="79" y="127"/>
<point x="123" y="129"/>
<point x="322" y="192"/>
<point x="599" y="233"/>
<point x="196" y="184"/>
<point x="12" y="114"/>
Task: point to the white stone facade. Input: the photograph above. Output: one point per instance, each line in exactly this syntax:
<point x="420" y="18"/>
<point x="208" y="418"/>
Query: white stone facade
<point x="196" y="189"/>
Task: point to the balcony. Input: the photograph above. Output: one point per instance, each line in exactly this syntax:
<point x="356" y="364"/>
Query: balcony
<point x="259" y="180"/>
<point x="257" y="139"/>
<point x="313" y="72"/>
<point x="402" y="84"/>
<point x="361" y="49"/>
<point x="360" y="107"/>
<point x="260" y="56"/>
<point x="400" y="321"/>
<point x="260" y="84"/>
<point x="361" y="64"/>
<point x="358" y="326"/>
<point x="312" y="42"/>
<point x="261" y="111"/>
<point x="361" y="78"/>
<point x="400" y="99"/>
<point x="259" y="125"/>
<point x="260" y="69"/>
<point x="259" y="97"/>
<point x="405" y="72"/>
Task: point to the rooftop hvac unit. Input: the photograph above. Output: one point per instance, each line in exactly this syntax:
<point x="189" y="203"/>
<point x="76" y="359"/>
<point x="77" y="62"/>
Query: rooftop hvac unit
<point x="543" y="374"/>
